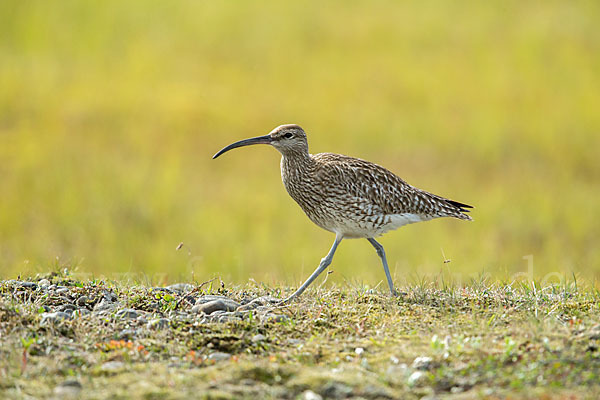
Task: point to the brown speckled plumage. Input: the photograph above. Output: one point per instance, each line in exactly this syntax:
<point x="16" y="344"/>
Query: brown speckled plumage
<point x="332" y="188"/>
<point x="351" y="197"/>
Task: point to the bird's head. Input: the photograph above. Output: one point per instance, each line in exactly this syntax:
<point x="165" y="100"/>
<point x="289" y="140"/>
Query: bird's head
<point x="289" y="139"/>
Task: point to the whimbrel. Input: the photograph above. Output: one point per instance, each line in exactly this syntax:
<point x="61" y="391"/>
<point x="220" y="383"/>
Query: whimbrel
<point x="350" y="197"/>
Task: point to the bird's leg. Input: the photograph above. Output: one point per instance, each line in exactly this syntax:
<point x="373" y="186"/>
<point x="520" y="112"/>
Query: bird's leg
<point x="322" y="266"/>
<point x="381" y="254"/>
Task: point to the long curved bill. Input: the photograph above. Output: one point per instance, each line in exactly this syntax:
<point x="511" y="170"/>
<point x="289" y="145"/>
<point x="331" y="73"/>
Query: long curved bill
<point x="246" y="142"/>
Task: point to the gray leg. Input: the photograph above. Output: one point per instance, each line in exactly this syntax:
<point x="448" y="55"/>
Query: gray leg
<point x="381" y="254"/>
<point x="322" y="266"/>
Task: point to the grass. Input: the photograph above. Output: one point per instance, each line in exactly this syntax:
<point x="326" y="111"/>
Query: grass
<point x="481" y="340"/>
<point x="110" y="113"/>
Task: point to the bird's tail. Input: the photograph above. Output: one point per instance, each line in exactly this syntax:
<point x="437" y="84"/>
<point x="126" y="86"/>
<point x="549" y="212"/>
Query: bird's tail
<point x="457" y="210"/>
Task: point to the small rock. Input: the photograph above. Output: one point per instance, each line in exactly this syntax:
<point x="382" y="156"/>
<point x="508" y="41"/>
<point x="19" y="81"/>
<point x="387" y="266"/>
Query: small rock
<point x="417" y="378"/>
<point x="359" y="351"/>
<point x="82" y="301"/>
<point x="23" y="284"/>
<point x="336" y="390"/>
<point x="68" y="308"/>
<point x="422" y="363"/>
<point x="129" y="313"/>
<point x="158" y="324"/>
<point x="61" y="290"/>
<point x="219" y="356"/>
<point x="310" y="395"/>
<point x="112" y="366"/>
<point x="105" y="305"/>
<point x="456" y="389"/>
<point x="196" y="309"/>
<point x="216" y="305"/>
<point x="44" y="283"/>
<point x="180" y="287"/>
<point x="109" y="296"/>
<point x="51" y="318"/>
<point x="210" y="297"/>
<point x="258" y="338"/>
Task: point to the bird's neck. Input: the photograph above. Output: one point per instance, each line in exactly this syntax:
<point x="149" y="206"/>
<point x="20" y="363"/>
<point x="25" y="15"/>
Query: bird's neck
<point x="294" y="165"/>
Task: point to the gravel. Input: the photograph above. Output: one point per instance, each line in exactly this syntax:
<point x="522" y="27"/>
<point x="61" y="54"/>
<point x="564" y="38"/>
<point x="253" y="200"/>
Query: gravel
<point x="69" y="303"/>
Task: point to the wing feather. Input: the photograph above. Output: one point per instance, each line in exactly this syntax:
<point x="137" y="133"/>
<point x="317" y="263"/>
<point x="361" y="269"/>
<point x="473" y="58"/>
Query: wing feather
<point x="381" y="189"/>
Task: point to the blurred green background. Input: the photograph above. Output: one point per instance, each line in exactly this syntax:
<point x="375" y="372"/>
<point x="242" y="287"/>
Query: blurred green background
<point x="110" y="112"/>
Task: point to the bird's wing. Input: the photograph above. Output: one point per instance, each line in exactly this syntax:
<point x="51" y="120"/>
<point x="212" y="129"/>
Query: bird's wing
<point x="382" y="189"/>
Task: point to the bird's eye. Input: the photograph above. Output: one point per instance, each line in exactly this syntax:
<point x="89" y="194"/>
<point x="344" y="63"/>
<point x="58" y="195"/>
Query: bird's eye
<point x="288" y="135"/>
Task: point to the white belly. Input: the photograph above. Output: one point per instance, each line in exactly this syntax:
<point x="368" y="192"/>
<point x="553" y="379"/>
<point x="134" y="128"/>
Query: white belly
<point x="374" y="226"/>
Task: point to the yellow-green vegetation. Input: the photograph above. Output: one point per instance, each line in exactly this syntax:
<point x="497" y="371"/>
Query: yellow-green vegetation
<point x="110" y="112"/>
<point x="484" y="341"/>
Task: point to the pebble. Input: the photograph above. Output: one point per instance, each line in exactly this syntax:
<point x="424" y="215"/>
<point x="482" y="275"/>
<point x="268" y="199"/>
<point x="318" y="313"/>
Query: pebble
<point x="82" y="301"/>
<point x="336" y="390"/>
<point x="111" y="366"/>
<point x="109" y="296"/>
<point x="180" y="287"/>
<point x="216" y="305"/>
<point x="51" y="318"/>
<point x="209" y="297"/>
<point x="62" y="290"/>
<point x="105" y="305"/>
<point x="219" y="356"/>
<point x="423" y="363"/>
<point x="68" y="308"/>
<point x="417" y="378"/>
<point x="158" y="324"/>
<point x="129" y="313"/>
<point x="258" y="338"/>
<point x="23" y="284"/>
<point x="44" y="283"/>
<point x="310" y="395"/>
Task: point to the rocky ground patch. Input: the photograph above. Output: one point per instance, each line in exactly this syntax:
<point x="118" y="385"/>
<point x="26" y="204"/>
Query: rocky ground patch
<point x="61" y="337"/>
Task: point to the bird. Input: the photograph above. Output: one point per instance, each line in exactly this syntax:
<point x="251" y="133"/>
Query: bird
<point x="348" y="196"/>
